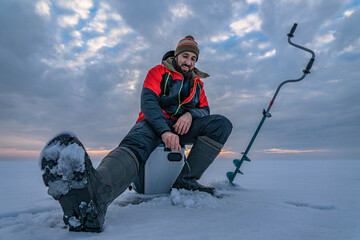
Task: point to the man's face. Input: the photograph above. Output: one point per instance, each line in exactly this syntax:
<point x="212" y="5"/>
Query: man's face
<point x="186" y="61"/>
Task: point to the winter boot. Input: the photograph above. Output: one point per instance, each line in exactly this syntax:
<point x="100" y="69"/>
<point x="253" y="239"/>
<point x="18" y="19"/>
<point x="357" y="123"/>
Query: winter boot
<point x="84" y="193"/>
<point x="202" y="154"/>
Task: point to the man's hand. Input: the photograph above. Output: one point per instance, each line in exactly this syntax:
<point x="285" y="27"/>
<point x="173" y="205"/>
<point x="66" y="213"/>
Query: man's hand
<point x="183" y="124"/>
<point x="171" y="141"/>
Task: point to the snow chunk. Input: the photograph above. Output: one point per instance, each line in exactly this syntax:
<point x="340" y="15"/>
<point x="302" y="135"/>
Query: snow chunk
<point x="70" y="160"/>
<point x="52" y="151"/>
<point x="58" y="188"/>
<point x="193" y="199"/>
<point x="82" y="205"/>
<point x="74" y="222"/>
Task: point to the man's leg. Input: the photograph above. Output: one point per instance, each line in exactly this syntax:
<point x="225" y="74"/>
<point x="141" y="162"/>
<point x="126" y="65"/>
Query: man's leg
<point x="208" y="134"/>
<point x="215" y="127"/>
<point x="137" y="144"/>
<point x="141" y="140"/>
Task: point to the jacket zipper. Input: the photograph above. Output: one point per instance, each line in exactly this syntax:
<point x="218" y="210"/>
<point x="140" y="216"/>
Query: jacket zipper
<point x="180" y="104"/>
<point x="166" y="81"/>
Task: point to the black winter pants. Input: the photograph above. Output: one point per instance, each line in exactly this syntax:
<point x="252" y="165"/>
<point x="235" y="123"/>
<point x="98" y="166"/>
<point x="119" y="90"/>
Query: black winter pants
<point x="142" y="139"/>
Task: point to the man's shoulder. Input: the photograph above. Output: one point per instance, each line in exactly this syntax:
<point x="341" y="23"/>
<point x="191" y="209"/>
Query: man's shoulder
<point x="159" y="68"/>
<point x="158" y="72"/>
<point x="162" y="69"/>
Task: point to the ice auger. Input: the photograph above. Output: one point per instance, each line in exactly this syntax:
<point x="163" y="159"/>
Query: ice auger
<point x="266" y="113"/>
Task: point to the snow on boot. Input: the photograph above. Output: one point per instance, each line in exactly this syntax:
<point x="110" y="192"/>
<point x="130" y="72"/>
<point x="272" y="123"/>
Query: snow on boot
<point x="72" y="180"/>
<point x="66" y="170"/>
<point x="202" y="154"/>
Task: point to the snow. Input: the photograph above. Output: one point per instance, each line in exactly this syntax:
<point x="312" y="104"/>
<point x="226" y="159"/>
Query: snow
<point x="274" y="200"/>
<point x="70" y="160"/>
<point x="74" y="222"/>
<point x="51" y="154"/>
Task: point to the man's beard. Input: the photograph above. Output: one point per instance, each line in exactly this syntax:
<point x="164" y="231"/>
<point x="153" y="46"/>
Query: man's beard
<point x="185" y="74"/>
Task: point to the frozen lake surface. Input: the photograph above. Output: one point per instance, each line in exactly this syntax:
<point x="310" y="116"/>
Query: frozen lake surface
<point x="273" y="200"/>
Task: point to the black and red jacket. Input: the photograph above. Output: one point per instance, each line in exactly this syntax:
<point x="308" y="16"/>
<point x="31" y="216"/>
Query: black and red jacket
<point x="160" y="97"/>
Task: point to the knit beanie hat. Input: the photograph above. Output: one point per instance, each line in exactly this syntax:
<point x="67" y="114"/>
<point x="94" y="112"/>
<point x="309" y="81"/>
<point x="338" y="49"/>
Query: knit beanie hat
<point x="187" y="44"/>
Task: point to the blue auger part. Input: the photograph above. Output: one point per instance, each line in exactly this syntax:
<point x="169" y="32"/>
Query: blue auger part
<point x="245" y="158"/>
<point x="230" y="176"/>
<point x="238" y="171"/>
<point x="237" y="163"/>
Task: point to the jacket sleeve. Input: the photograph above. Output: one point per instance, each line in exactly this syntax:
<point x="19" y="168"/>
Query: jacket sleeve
<point x="150" y="102"/>
<point x="203" y="109"/>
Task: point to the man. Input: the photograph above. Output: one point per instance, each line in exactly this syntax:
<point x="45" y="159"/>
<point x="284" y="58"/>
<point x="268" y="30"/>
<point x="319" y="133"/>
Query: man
<point x="174" y="110"/>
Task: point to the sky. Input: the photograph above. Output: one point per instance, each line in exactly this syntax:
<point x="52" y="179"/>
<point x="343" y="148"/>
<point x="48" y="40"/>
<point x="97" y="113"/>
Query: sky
<point x="79" y="65"/>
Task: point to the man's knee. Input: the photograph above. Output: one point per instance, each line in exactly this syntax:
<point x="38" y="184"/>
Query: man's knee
<point x="219" y="128"/>
<point x="141" y="140"/>
<point x="224" y="123"/>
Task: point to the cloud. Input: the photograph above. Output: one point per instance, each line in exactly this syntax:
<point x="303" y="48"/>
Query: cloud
<point x="283" y="151"/>
<point x="42" y="8"/>
<point x="250" y="23"/>
<point x="103" y="15"/>
<point x="181" y="10"/>
<point x="264" y="45"/>
<point x="224" y="153"/>
<point x="347" y="34"/>
<point x="85" y="43"/>
<point x="268" y="54"/>
<point x="68" y="20"/>
<point x="18" y="154"/>
<point x="349" y="12"/>
<point x="320" y="41"/>
<point x="228" y="154"/>
<point x="80" y="7"/>
<point x="254" y="1"/>
<point x="21" y="154"/>
<point x="22" y="36"/>
<point x="220" y="38"/>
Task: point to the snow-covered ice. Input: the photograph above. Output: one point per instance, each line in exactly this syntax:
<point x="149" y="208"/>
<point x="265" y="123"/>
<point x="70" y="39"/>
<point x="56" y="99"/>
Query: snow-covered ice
<point x="273" y="200"/>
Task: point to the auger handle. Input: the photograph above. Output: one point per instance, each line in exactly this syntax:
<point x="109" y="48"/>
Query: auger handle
<point x="311" y="61"/>
<point x="291" y="33"/>
<point x="309" y="65"/>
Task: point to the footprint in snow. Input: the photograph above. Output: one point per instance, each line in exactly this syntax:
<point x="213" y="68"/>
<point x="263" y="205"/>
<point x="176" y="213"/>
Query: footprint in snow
<point x="312" y="206"/>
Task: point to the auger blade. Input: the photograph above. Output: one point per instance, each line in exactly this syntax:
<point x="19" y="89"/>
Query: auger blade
<point x="230" y="176"/>
<point x="238" y="171"/>
<point x="237" y="163"/>
<point x="245" y="158"/>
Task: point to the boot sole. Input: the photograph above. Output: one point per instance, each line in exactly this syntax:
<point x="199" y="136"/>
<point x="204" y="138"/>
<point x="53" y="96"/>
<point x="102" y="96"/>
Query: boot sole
<point x="65" y="165"/>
